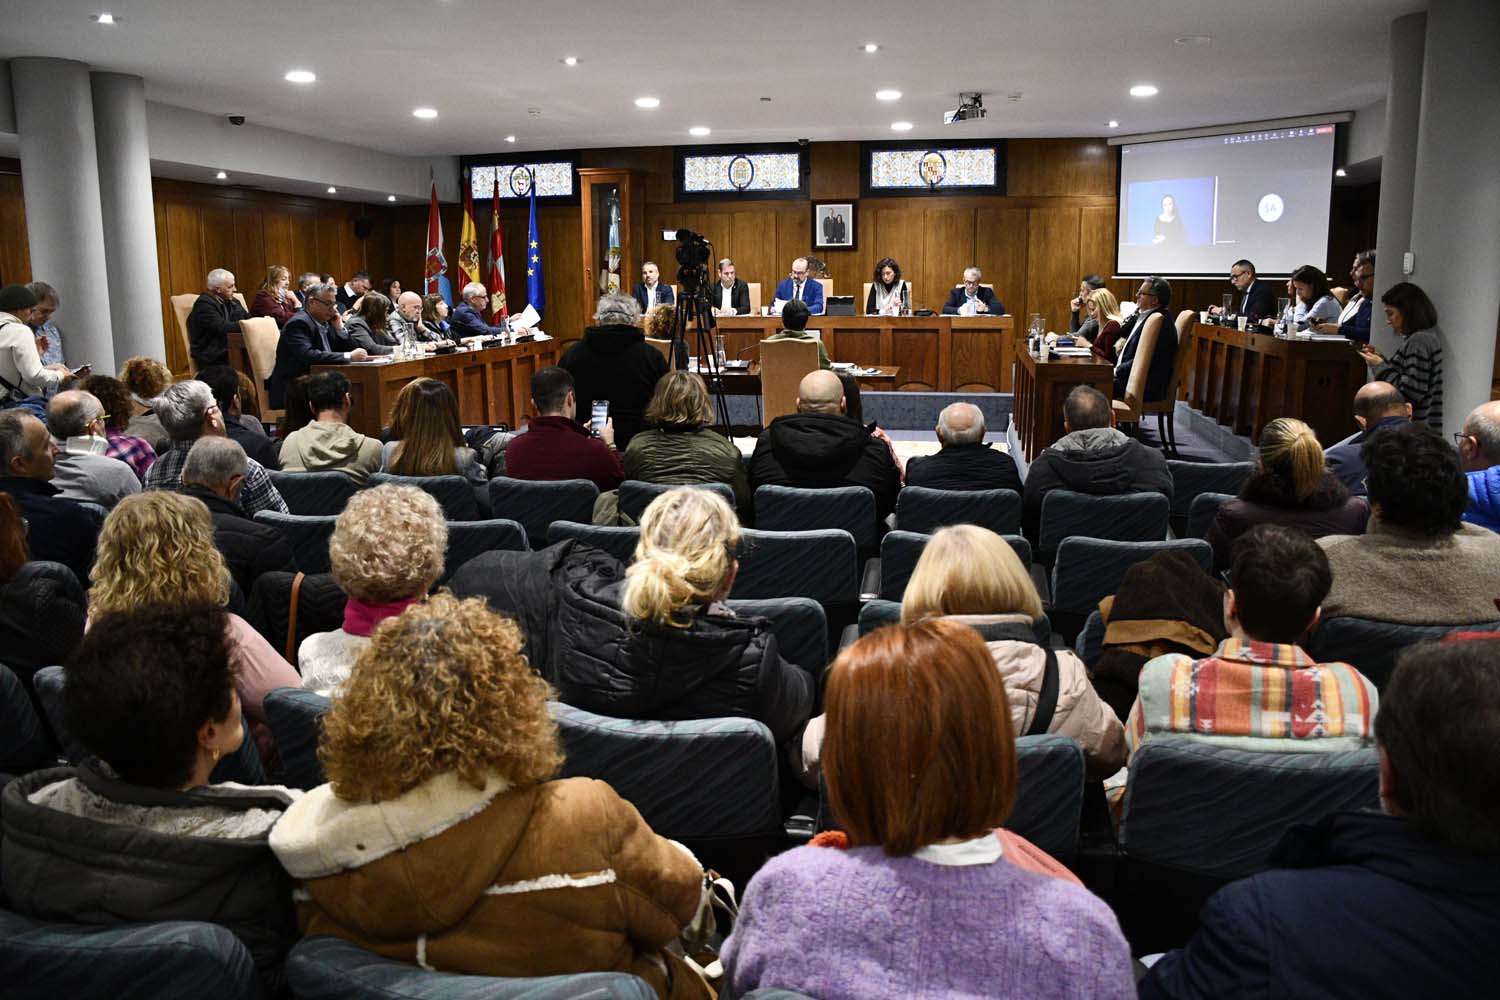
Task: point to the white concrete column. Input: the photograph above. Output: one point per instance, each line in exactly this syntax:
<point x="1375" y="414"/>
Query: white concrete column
<point x="1455" y="216"/>
<point x="60" y="183"/>
<point x="129" y="214"/>
<point x="1398" y="166"/>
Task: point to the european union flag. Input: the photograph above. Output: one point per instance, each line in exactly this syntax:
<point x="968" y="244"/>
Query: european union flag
<point x="536" y="294"/>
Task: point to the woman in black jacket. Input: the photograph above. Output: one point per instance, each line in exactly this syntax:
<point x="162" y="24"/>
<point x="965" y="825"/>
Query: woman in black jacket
<point x="1292" y="486"/>
<point x="140" y="834"/>
<point x="42" y="604"/>
<point x="657" y="642"/>
<point x="366" y="326"/>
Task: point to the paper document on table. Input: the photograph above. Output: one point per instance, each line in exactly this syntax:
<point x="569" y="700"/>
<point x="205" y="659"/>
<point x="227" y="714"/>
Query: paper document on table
<point x="777" y="306"/>
<point x="528" y="319"/>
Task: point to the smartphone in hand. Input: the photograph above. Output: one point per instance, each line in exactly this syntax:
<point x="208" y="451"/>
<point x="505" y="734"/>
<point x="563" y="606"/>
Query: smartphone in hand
<point x="600" y="416"/>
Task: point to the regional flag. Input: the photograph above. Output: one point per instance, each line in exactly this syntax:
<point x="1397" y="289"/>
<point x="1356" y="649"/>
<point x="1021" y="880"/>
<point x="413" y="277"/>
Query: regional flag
<point x="536" y="295"/>
<point x="468" y="240"/>
<point x="437" y="265"/>
<point x="498" y="308"/>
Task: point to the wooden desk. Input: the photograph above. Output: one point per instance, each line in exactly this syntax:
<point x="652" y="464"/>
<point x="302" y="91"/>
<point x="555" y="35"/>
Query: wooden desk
<point x="1040" y="390"/>
<point x="932" y="353"/>
<point x="746" y="382"/>
<point x="1245" y="379"/>
<point x="493" y="386"/>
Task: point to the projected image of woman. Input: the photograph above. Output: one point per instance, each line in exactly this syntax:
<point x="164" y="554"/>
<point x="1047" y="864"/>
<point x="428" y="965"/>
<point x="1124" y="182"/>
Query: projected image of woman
<point x="1168" y="228"/>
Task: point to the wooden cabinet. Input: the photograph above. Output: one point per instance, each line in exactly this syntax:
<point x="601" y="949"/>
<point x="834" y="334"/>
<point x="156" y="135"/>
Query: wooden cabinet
<point x="613" y="214"/>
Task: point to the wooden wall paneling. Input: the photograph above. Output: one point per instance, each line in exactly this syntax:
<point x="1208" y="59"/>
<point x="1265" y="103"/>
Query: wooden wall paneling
<point x="326" y="243"/>
<point x="1052" y="264"/>
<point x="15" y="249"/>
<point x="219" y="248"/>
<point x="793" y="239"/>
<point x="250" y="250"/>
<point x="1060" y="168"/>
<point x="947" y="248"/>
<point x="1096" y="240"/>
<point x="164" y="280"/>
<point x="1001" y="247"/>
<point x="752" y="245"/>
<point x="835" y="171"/>
<point x="302" y="230"/>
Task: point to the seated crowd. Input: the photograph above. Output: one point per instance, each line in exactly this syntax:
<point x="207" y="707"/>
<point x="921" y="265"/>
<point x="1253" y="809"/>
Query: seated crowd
<point x="445" y="835"/>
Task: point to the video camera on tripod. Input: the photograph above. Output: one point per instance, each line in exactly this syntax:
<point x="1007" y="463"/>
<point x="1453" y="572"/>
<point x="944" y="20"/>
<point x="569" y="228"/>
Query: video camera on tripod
<point x="694" y="251"/>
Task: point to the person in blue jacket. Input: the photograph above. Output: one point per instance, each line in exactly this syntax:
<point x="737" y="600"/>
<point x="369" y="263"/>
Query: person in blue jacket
<point x="1479" y="450"/>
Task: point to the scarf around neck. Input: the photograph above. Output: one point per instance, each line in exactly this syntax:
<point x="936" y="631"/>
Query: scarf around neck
<point x="361" y="617"/>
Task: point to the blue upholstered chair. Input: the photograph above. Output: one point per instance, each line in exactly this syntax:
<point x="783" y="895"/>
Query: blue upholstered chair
<point x="1090" y="569"/>
<point x="24" y="741"/>
<point x="1201" y="514"/>
<point x="900" y="550"/>
<point x="1091" y="639"/>
<point x="307" y="535"/>
<point x="799" y="625"/>
<point x="314" y="494"/>
<point x="1132" y="517"/>
<point x="536" y="504"/>
<point x="821" y="565"/>
<point x="791" y="508"/>
<point x="618" y="540"/>
<point x="330" y="968"/>
<point x="919" y="508"/>
<point x="1197" y="816"/>
<point x="177" y="958"/>
<point x="296" y="719"/>
<point x="1371" y="647"/>
<point x="454" y="493"/>
<point x="467" y="539"/>
<point x="1190" y="479"/>
<point x="636" y="496"/>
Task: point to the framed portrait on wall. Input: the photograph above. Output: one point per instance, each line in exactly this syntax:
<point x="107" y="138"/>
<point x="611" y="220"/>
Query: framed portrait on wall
<point x="833" y="225"/>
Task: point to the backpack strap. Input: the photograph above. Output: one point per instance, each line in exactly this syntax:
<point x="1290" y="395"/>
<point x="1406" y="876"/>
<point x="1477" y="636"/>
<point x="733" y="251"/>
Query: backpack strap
<point x="291" y="620"/>
<point x="1046" y="703"/>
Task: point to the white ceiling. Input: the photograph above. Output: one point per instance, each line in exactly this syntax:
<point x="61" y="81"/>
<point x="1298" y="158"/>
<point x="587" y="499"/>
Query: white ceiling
<point x="484" y="63"/>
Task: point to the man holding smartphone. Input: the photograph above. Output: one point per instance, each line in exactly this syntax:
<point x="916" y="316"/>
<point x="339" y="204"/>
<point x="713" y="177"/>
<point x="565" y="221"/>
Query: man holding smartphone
<point x="556" y="446"/>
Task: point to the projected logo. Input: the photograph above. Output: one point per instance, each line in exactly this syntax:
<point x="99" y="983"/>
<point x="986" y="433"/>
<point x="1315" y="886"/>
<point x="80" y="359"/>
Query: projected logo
<point x="1270" y="208"/>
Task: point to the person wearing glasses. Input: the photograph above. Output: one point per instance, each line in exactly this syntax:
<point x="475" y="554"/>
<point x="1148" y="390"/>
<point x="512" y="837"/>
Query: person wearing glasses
<point x="801" y="287"/>
<point x="468" y="318"/>
<point x="1354" y="320"/>
<point x="82" y="470"/>
<point x="1257" y="298"/>
<point x="1479" y="450"/>
<point x="1152" y="299"/>
<point x="971" y="298"/>
<point x="314" y="336"/>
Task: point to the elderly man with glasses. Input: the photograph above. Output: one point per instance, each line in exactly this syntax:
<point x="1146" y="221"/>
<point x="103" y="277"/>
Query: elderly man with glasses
<point x="82" y="470"/>
<point x="313" y="336"/>
<point x="971" y="298"/>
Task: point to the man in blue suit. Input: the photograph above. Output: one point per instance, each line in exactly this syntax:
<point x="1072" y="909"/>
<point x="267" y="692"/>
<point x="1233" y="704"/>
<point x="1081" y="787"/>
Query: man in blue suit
<point x="468" y="318"/>
<point x="313" y="336"/>
<point x="980" y="300"/>
<point x="800" y="288"/>
<point x="650" y="292"/>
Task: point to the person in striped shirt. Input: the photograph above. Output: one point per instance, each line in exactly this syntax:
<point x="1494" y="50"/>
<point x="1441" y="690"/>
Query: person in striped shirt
<point x="1416" y="369"/>
<point x="1260" y="690"/>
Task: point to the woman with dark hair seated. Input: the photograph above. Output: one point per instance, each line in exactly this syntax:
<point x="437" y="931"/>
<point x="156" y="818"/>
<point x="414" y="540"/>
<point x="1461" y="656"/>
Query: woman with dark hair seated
<point x="1292" y="486"/>
<point x="890" y="295"/>
<point x="1311" y="291"/>
<point x="366" y="326"/>
<point x="922" y="895"/>
<point x="141" y="834"/>
<point x="679" y="447"/>
<point x="42" y="604"/>
<point x="442" y="838"/>
<point x="426" y="436"/>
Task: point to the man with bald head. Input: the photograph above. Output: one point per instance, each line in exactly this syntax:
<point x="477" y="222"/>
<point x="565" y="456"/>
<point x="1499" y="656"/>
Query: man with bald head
<point x="81" y="470"/>
<point x="821" y="446"/>
<point x="405" y="321"/>
<point x="1376" y="405"/>
<point x="966" y="462"/>
<point x="1479" y="450"/>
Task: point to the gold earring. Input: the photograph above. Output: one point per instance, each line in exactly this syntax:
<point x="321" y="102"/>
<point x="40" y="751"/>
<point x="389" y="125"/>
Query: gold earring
<point x="216" y="754"/>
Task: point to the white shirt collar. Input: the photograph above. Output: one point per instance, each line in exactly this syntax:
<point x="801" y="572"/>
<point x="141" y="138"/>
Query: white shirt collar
<point x="983" y="850"/>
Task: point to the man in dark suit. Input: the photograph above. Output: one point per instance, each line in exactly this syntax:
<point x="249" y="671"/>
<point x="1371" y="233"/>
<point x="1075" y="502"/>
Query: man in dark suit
<point x="353" y="290"/>
<point x="800" y="287"/>
<point x="650" y="292"/>
<point x="971" y="293"/>
<point x="468" y="318"/>
<point x="1257" y="298"/>
<point x="314" y="336"/>
<point x="215" y="315"/>
<point x="1153" y="298"/>
<point x="1377" y="405"/>
<point x="731" y="296"/>
<point x="966" y="462"/>
<point x="215" y="473"/>
<point x="830" y="227"/>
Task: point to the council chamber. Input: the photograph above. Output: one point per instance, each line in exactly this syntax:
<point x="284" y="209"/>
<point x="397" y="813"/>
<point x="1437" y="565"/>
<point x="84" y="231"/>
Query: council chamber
<point x="803" y="503"/>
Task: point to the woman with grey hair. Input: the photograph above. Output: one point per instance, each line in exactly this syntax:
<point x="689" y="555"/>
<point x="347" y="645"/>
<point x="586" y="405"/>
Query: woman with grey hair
<point x="614" y="363"/>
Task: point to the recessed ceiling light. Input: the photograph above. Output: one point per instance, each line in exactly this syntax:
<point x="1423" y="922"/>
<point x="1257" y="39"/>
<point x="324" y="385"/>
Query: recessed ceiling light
<point x="510" y="138"/>
<point x="1193" y="40"/>
<point x="221" y="175"/>
<point x="901" y="126"/>
<point x="390" y="197"/>
<point x="424" y="112"/>
<point x="570" y="60"/>
<point x="887" y="95"/>
<point x="1113" y="123"/>
<point x="332" y="189"/>
<point x="1341" y="172"/>
<point x="105" y="18"/>
<point x="301" y="76"/>
<point x="647" y="102"/>
<point x="871" y="47"/>
<point x="699" y="130"/>
<point x="1143" y="90"/>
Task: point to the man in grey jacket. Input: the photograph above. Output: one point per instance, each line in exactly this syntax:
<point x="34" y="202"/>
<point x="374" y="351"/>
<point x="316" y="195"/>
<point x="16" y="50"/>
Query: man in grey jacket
<point x="81" y="470"/>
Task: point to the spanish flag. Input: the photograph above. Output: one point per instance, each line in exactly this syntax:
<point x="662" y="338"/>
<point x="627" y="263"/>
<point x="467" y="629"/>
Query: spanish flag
<point x="468" y="241"/>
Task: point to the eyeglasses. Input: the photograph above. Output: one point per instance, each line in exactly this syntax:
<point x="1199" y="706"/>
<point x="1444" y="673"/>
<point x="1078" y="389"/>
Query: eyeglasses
<point x="1459" y="437"/>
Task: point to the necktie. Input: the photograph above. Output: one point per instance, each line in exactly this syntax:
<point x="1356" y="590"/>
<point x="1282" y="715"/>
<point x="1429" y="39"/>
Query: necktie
<point x="323" y="335"/>
<point x="798" y="294"/>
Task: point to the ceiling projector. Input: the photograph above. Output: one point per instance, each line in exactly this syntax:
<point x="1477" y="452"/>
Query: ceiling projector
<point x="970" y="108"/>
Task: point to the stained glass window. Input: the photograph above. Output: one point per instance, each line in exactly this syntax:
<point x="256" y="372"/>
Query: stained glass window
<point x="742" y="172"/>
<point x="553" y="180"/>
<point x="927" y="168"/>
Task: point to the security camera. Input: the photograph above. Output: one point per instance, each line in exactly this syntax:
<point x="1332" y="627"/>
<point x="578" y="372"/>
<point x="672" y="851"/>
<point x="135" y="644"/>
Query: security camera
<point x="236" y="119"/>
<point x="803" y="142"/>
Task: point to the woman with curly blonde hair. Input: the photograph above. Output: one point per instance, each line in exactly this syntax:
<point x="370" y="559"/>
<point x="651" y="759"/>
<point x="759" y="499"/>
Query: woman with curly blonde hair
<point x="157" y="548"/>
<point x="440" y="838"/>
<point x="386" y="552"/>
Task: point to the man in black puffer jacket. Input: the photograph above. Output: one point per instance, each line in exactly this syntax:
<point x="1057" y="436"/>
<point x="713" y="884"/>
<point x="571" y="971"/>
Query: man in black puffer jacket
<point x="215" y="473"/>
<point x="820" y="446"/>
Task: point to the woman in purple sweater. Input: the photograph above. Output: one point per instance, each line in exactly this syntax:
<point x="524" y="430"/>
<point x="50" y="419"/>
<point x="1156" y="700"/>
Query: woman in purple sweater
<point x="930" y="899"/>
